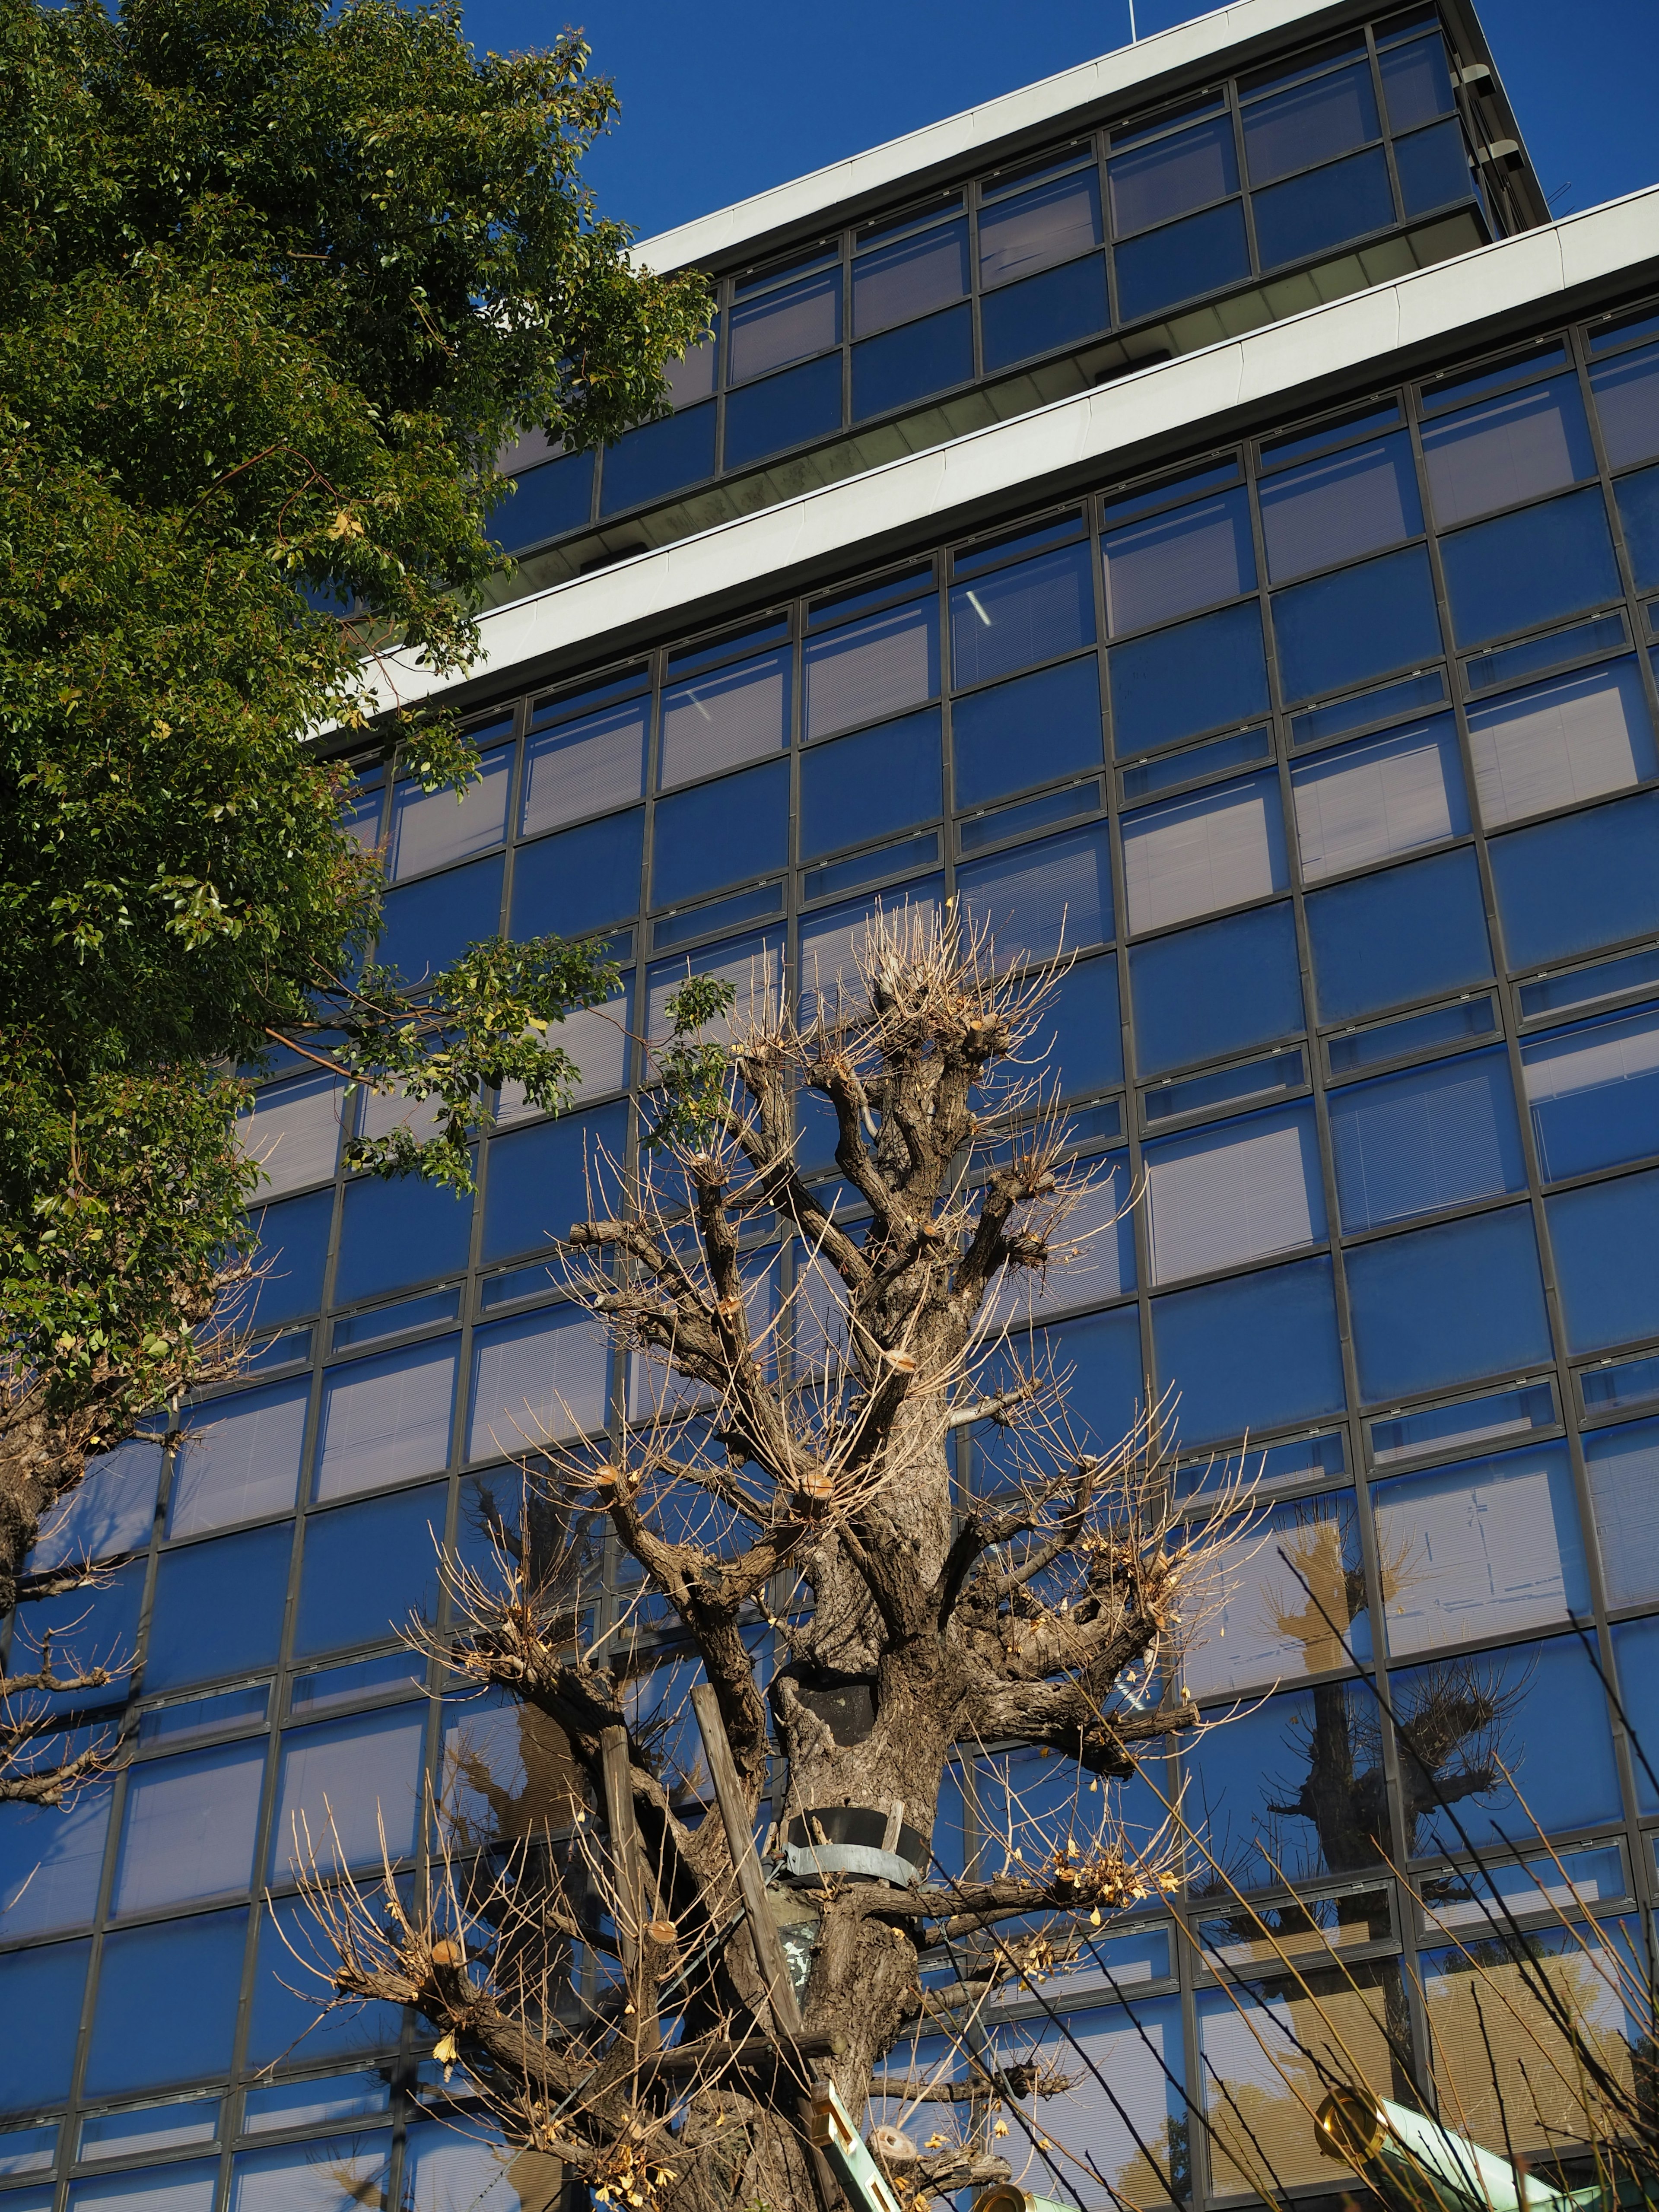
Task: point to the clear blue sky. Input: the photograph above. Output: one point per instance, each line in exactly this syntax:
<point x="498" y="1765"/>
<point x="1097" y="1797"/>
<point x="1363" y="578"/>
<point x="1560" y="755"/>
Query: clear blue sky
<point x="722" y="101"/>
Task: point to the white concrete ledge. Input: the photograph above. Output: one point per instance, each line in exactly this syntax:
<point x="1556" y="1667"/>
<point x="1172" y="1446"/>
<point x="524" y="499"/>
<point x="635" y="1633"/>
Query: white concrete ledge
<point x="1159" y="402"/>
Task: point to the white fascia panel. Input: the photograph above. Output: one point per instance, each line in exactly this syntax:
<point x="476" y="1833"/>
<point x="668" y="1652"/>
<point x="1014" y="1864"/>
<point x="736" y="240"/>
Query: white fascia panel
<point x="960" y="136"/>
<point x="1088" y="430"/>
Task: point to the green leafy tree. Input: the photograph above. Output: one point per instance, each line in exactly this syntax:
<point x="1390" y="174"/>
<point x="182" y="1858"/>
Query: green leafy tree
<point x="277" y="285"/>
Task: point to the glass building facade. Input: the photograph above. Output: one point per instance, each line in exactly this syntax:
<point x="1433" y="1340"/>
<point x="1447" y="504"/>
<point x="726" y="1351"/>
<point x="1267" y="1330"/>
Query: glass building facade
<point x="1322" y="754"/>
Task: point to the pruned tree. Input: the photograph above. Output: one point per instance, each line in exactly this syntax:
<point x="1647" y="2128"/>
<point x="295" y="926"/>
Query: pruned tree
<point x="787" y="1469"/>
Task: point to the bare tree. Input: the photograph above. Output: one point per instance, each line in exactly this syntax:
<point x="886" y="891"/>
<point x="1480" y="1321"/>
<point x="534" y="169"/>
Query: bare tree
<point x="793" y="1466"/>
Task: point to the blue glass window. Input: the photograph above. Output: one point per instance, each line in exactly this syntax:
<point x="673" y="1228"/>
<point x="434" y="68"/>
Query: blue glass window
<point x="386" y="1420"/>
<point x="1185" y="857"/>
<point x="88" y="1629"/>
<point x="293" y="1131"/>
<point x="1593" y="1093"/>
<point x="112" y="1509"/>
<point x="1442" y="1306"/>
<point x="1255" y="1353"/>
<point x="1339" y="506"/>
<point x="870" y="785"/>
<point x="782" y="411"/>
<point x="1058" y="309"/>
<point x="1244" y="749"/>
<point x="1427" y="1138"/>
<point x="52" y="1856"/>
<point x="1606" y="1240"/>
<point x="1265" y="1780"/>
<point x="719" y="833"/>
<point x="913" y="362"/>
<point x="1261" y="1630"/>
<point x="1566" y="887"/>
<point x="1547" y="1695"/>
<point x="1036" y="900"/>
<point x="340" y="1781"/>
<point x="566" y="885"/>
<point x="1417" y="83"/>
<point x="1325" y="207"/>
<point x="290" y="1246"/>
<point x="187" y="1827"/>
<point x="190" y="2186"/>
<point x="544" y="503"/>
<point x="1219" y="988"/>
<point x="1382" y="940"/>
<point x="658" y="458"/>
<point x="1623" y="1466"/>
<point x="1086" y="1026"/>
<point x="427" y="926"/>
<point x="539" y="1181"/>
<point x="1308" y="123"/>
<point x="1636" y="1653"/>
<point x="1378" y="797"/>
<point x="1360" y="622"/>
<point x="535" y="1377"/>
<point x="166" y="2004"/>
<point x="1031" y="731"/>
<point x="329" y="2176"/>
<point x="1433" y="168"/>
<point x="912" y="277"/>
<point x="218" y="1608"/>
<point x="787" y="325"/>
<point x="1574" y="737"/>
<point x="1199" y="254"/>
<point x="1626" y="391"/>
<point x="1172" y="562"/>
<point x="1525" y="569"/>
<point x="721" y="721"/>
<point x="431" y="828"/>
<point x="366" y="1568"/>
<point x="1010" y="618"/>
<point x="239" y="1460"/>
<point x="1198" y="676"/>
<point x="573" y="769"/>
<point x="45" y="1988"/>
<point x="282" y="2011"/>
<point x="1054" y="221"/>
<point x="1241" y="1190"/>
<point x="1493" y="1546"/>
<point x="1172" y="176"/>
<point x="397" y="1232"/>
<point x="879" y="665"/>
<point x="1501" y="450"/>
<point x="1639" y="514"/>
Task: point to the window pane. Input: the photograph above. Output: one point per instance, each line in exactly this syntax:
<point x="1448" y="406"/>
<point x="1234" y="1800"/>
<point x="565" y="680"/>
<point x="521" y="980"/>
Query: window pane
<point x="545" y="1179"/>
<point x="1481" y="1549"/>
<point x="1052" y="222"/>
<point x="166" y="2004"/>
<point x="1331" y="510"/>
<point x="366" y="1568"/>
<point x="596" y="1037"/>
<point x="1381" y="797"/>
<point x="240" y="1459"/>
<point x="187" y="1829"/>
<point x="1056" y="309"/>
<point x="1502" y="451"/>
<point x="505" y="1772"/>
<point x="788" y="325"/>
<point x="870" y="785"/>
<point x="1100" y="1233"/>
<point x="1323" y="209"/>
<point x="218" y="1608"/>
<point x="1314" y="1751"/>
<point x="339" y="1782"/>
<point x="1198" y="676"/>
<point x="1217" y="989"/>
<point x="1245" y="1190"/>
<point x="1407" y="933"/>
<point x="753" y="966"/>
<point x="1626" y="391"/>
<point x="1033" y="611"/>
<point x="895" y="283"/>
<point x="1592" y="1094"/>
<point x="1638" y="515"/>
<point x="1434" y="168"/>
<point x="291" y="1246"/>
<point x="566" y="885"/>
<point x="584" y="767"/>
<point x="913" y="362"/>
<point x="830" y="984"/>
<point x="765" y="418"/>
<point x="1255" y="1353"/>
<point x="452" y="2166"/>
<point x="543" y="1375"/>
<point x="385" y="1420"/>
<point x="1199" y="254"/>
<point x="187" y="2188"/>
<point x="1566" y="887"/>
<point x="1529" y="569"/>
<point x="1606" y="1240"/>
<point x="1038" y="900"/>
<point x="1031" y="731"/>
<point x="1172" y="176"/>
<point x="659" y="458"/>
<point x="1135" y="2131"/>
<point x="393" y="1233"/>
<point x="111" y="1510"/>
<point x="717" y="722"/>
<point x="1442" y="1306"/>
<point x="868" y="669"/>
<point x="294" y="1132"/>
<point x="1260" y="1627"/>
<point x="51" y="1859"/>
<point x="427" y="925"/>
<point x="1082" y="1021"/>
<point x="1309" y="123"/>
<point x="429" y="828"/>
<point x="544" y="503"/>
<point x="1435" y="1136"/>
<point x="341" y="2175"/>
<point x="1417" y="83"/>
<point x="1555" y="743"/>
<point x="719" y="832"/>
<point x="1623" y="1465"/>
<point x="43" y="1987"/>
<point x="1189" y="856"/>
<point x="292" y="1950"/>
<point x="1358" y="623"/>
<point x="1543" y="1696"/>
<point x="1173" y="562"/>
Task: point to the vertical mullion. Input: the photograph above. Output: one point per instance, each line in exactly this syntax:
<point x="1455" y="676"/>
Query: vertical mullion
<point x="1384" y="123"/>
<point x="1246" y="193"/>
